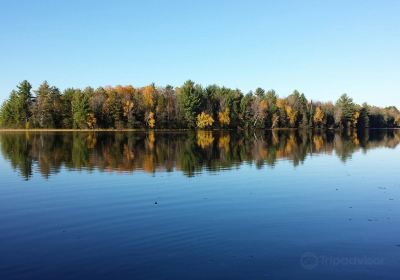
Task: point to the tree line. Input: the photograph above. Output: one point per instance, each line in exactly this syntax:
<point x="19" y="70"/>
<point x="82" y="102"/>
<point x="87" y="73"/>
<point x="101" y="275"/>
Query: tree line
<point x="187" y="106"/>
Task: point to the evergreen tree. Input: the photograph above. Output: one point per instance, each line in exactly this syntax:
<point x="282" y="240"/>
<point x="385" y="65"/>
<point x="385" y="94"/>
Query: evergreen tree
<point x="190" y="99"/>
<point x="346" y="107"/>
<point x="80" y="109"/>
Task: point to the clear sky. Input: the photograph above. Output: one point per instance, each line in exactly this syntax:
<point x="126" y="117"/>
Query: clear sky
<point x="322" y="48"/>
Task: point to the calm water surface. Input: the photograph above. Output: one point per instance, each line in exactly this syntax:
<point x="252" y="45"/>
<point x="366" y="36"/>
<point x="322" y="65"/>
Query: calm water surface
<point x="200" y="205"/>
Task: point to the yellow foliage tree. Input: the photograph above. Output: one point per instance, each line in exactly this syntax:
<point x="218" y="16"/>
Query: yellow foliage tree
<point x="280" y="103"/>
<point x="291" y="114"/>
<point x="148" y="95"/>
<point x="91" y="121"/>
<point x="151" y="122"/>
<point x="398" y="120"/>
<point x="260" y="108"/>
<point x="223" y="117"/>
<point x="204" y="120"/>
<point x="124" y="90"/>
<point x="319" y="116"/>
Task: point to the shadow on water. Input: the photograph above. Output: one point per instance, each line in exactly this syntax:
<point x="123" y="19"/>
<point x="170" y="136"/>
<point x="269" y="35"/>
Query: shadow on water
<point x="190" y="152"/>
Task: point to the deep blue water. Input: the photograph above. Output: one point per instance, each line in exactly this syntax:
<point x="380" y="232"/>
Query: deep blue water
<point x="208" y="206"/>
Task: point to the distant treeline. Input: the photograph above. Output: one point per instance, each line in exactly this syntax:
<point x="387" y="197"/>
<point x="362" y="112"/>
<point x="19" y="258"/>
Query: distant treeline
<point x="188" y="106"/>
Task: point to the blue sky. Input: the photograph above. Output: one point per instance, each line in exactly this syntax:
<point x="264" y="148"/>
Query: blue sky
<point x="322" y="48"/>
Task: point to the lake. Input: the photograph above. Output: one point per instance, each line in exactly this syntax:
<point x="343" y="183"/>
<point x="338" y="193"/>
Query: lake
<point x="200" y="205"/>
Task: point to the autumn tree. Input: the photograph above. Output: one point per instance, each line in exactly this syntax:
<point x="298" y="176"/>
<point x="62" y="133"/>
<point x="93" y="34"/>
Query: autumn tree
<point x="150" y="120"/>
<point x="148" y="96"/>
<point x="126" y="95"/>
<point x="204" y="120"/>
<point x="319" y="117"/>
<point x="297" y="111"/>
<point x="112" y="109"/>
<point x="260" y="110"/>
<point x="223" y="118"/>
<point x="291" y="115"/>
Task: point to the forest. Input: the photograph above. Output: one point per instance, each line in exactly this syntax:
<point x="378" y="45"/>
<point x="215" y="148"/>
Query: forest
<point x="188" y="106"/>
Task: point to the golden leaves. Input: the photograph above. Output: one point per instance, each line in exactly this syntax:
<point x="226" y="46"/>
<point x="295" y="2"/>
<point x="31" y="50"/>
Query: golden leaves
<point x="263" y="106"/>
<point x="319" y="116"/>
<point x="291" y="114"/>
<point x="223" y="117"/>
<point x="148" y="95"/>
<point x="91" y="121"/>
<point x="151" y="122"/>
<point x="281" y="103"/>
<point x="204" y="120"/>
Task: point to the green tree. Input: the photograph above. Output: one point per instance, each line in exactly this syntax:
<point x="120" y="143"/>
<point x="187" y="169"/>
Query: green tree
<point x="80" y="109"/>
<point x="47" y="109"/>
<point x="345" y="108"/>
<point x="271" y="99"/>
<point x="190" y="99"/>
<point x="364" y="116"/>
<point x="16" y="111"/>
<point x="246" y="112"/>
<point x="24" y="103"/>
<point x="8" y="118"/>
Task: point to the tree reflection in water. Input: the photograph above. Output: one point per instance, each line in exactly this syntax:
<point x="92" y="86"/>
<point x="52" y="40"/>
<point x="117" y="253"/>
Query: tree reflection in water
<point x="189" y="152"/>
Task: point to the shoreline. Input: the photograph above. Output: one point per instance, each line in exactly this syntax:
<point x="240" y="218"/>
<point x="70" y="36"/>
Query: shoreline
<point x="164" y="129"/>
